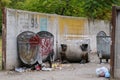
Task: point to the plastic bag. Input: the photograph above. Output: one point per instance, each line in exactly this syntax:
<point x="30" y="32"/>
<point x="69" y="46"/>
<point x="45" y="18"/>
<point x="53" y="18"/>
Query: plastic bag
<point x="19" y="69"/>
<point x="101" y="71"/>
<point x="107" y="75"/>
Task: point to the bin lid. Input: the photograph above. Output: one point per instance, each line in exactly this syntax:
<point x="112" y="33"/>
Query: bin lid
<point x="45" y="34"/>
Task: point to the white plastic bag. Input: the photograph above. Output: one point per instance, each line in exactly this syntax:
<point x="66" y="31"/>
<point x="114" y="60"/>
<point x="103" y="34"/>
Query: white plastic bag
<point x="101" y="71"/>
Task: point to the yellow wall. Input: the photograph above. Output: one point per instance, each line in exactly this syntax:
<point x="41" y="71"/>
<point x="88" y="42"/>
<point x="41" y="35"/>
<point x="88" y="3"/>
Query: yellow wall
<point x="71" y="26"/>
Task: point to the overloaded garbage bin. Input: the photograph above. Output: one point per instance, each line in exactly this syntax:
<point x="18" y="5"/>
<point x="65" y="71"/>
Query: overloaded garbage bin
<point x="27" y="44"/>
<point x="34" y="48"/>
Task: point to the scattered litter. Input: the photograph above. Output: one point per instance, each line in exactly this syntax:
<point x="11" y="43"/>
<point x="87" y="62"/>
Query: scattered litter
<point x="43" y="65"/>
<point x="46" y="69"/>
<point x="19" y="69"/>
<point x="107" y="75"/>
<point x="54" y="65"/>
<point x="22" y="69"/>
<point x="37" y="67"/>
<point x="102" y="72"/>
<point x="66" y="65"/>
<point x="57" y="66"/>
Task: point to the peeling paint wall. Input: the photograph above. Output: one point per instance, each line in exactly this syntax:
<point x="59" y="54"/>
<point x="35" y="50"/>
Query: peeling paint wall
<point x="71" y="28"/>
<point x="62" y="27"/>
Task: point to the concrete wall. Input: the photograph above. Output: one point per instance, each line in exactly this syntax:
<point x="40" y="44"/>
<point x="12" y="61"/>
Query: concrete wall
<point x="94" y="29"/>
<point x="62" y="27"/>
<point x="80" y="28"/>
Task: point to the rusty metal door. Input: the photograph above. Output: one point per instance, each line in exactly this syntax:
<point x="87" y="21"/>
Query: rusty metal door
<point x="115" y="48"/>
<point x="103" y="46"/>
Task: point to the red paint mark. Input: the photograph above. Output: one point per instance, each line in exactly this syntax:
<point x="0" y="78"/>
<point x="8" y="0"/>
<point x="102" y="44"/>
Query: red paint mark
<point x="34" y="40"/>
<point x="46" y="45"/>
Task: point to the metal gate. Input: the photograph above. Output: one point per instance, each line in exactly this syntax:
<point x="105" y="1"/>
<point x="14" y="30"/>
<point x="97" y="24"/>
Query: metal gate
<point x="103" y="46"/>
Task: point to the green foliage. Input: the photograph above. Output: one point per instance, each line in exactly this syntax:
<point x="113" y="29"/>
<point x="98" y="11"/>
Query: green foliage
<point x="4" y="3"/>
<point x="99" y="9"/>
<point x="61" y="7"/>
<point x="93" y="9"/>
<point x="0" y="22"/>
<point x="16" y="4"/>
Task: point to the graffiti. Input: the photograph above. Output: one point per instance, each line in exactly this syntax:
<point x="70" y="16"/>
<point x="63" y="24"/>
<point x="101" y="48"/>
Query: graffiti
<point x="34" y="22"/>
<point x="46" y="45"/>
<point x="34" y="40"/>
<point x="43" y="24"/>
<point x="27" y="21"/>
<point x="23" y="20"/>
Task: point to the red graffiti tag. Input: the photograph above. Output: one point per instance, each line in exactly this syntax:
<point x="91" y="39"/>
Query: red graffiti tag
<point x="46" y="45"/>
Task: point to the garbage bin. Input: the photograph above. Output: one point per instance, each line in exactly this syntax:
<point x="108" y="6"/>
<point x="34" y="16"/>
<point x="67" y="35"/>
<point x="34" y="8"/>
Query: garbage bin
<point x="46" y="43"/>
<point x="103" y="46"/>
<point x="27" y="44"/>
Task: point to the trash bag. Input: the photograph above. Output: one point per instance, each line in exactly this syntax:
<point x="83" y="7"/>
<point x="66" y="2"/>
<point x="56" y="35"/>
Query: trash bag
<point x="107" y="75"/>
<point x="19" y="69"/>
<point x="101" y="72"/>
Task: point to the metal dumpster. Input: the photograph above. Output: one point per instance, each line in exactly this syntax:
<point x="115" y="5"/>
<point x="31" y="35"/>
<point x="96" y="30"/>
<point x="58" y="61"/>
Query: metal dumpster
<point x="75" y="51"/>
<point x="103" y="46"/>
<point x="27" y="44"/>
<point x="46" y="43"/>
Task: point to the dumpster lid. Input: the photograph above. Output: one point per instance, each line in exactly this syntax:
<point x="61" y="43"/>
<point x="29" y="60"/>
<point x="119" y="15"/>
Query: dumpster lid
<point x="45" y="34"/>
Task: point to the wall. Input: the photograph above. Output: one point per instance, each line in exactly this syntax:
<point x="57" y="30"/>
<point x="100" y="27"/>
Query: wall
<point x="62" y="27"/>
<point x="74" y="28"/>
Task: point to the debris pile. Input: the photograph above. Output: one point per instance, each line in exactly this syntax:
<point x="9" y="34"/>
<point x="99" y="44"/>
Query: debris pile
<point x="103" y="72"/>
<point x="39" y="67"/>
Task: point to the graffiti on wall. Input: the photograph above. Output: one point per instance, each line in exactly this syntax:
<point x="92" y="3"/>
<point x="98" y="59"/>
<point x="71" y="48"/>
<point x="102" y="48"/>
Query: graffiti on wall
<point x="34" y="21"/>
<point x="27" y="21"/>
<point x="23" y="20"/>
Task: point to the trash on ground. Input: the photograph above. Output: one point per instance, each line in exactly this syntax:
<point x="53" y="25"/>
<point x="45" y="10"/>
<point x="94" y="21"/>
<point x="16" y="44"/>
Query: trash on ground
<point x="43" y="67"/>
<point x="102" y="72"/>
<point x="46" y="69"/>
<point x="37" y="67"/>
<point x="57" y="66"/>
<point x="19" y="69"/>
<point x="107" y="75"/>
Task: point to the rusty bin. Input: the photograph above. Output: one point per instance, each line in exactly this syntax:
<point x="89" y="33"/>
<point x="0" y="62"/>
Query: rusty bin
<point x="46" y="43"/>
<point x="27" y="44"/>
<point x="75" y="49"/>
